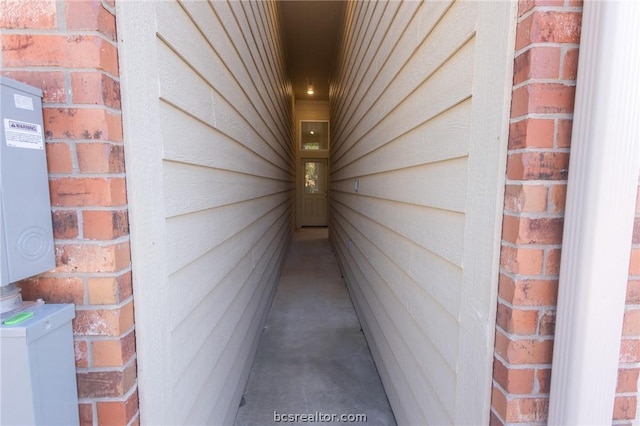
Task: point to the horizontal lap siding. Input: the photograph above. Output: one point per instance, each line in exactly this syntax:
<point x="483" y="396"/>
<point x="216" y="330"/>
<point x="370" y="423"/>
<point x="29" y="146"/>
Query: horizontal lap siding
<point x="402" y="109"/>
<point x="228" y="193"/>
<point x="404" y="150"/>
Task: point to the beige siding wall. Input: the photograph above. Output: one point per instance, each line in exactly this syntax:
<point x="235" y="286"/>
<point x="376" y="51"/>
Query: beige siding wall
<point x="418" y="124"/>
<point x="223" y="197"/>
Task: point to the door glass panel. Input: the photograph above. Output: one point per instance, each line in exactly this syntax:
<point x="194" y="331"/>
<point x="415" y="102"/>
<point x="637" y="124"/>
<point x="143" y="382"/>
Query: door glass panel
<point x="315" y="177"/>
<point x="314" y="135"/>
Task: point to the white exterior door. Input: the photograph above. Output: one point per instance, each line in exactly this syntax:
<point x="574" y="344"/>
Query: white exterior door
<point x="314" y="196"/>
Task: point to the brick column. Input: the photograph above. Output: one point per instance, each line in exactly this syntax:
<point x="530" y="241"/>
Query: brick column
<point x="547" y="42"/>
<point x="545" y="67"/>
<point x="626" y="404"/>
<point x="69" y="50"/>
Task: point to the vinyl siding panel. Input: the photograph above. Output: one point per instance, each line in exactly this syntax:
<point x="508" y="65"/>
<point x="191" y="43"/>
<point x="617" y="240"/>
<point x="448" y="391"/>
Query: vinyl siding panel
<point x="407" y="118"/>
<point x="224" y="187"/>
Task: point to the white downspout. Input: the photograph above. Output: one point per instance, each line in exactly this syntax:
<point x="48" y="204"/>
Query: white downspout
<point x="602" y="184"/>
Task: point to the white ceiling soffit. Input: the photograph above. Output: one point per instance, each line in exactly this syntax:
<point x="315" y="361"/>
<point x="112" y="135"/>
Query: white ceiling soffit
<point x="310" y="30"/>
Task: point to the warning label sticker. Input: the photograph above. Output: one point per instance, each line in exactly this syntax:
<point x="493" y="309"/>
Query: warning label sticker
<point x="20" y="134"/>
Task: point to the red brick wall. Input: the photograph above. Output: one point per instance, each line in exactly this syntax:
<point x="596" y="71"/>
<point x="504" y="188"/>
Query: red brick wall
<point x="69" y="50"/>
<point x="545" y="69"/>
<point x="627" y="398"/>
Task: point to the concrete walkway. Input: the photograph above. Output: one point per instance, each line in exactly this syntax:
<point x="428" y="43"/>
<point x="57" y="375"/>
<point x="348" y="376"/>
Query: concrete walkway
<point x="312" y="357"/>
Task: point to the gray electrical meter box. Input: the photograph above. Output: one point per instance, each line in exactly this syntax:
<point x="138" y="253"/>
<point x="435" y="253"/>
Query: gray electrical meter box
<point x="26" y="235"/>
<point x="38" y="374"/>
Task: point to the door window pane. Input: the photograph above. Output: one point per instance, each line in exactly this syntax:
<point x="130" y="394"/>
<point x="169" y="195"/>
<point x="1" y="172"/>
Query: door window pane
<point x="315" y="177"/>
<point x="314" y="135"/>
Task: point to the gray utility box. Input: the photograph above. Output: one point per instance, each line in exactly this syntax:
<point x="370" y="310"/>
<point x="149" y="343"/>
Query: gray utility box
<point x="38" y="372"/>
<point x="26" y="234"/>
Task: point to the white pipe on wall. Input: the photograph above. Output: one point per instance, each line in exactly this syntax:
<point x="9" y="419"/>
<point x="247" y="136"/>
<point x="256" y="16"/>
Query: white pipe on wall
<point x="601" y="192"/>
